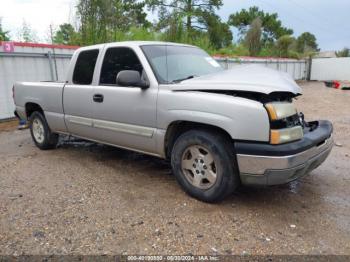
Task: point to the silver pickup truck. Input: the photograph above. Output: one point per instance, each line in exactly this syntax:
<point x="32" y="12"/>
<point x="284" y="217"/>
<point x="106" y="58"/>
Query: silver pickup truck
<point x="219" y="128"/>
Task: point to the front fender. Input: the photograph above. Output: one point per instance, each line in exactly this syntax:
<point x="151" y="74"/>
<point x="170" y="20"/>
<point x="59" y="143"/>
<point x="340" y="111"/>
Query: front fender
<point x="241" y="118"/>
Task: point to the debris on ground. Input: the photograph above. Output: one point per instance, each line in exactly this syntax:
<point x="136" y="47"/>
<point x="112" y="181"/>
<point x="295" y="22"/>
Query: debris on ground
<point x="214" y="249"/>
<point x="332" y="84"/>
<point x="342" y="85"/>
<point x="15" y="196"/>
<point x="23" y="124"/>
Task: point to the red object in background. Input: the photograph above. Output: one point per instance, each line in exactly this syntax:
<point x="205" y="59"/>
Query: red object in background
<point x="8" y="47"/>
<point x="45" y="45"/>
<point x="336" y="84"/>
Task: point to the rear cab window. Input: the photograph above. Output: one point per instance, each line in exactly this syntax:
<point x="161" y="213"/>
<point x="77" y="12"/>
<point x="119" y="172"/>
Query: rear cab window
<point x="84" y="67"/>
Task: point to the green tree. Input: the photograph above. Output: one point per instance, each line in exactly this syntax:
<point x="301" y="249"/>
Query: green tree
<point x="345" y="52"/>
<point x="137" y="17"/>
<point x="253" y="37"/>
<point x="175" y="31"/>
<point x="219" y="33"/>
<point x="284" y="45"/>
<point x="138" y="33"/>
<point x="65" y="35"/>
<point x="307" y="42"/>
<point x="271" y="25"/>
<point x="3" y="34"/>
<point x="26" y="33"/>
<point x="103" y="20"/>
<point x="193" y="16"/>
<point x="190" y="10"/>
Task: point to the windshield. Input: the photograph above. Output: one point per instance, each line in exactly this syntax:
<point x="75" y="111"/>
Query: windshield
<point x="172" y="64"/>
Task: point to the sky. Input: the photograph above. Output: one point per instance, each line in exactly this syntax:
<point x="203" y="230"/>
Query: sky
<point x="328" y="20"/>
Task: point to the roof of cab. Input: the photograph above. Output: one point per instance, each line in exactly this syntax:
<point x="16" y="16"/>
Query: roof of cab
<point x="132" y="43"/>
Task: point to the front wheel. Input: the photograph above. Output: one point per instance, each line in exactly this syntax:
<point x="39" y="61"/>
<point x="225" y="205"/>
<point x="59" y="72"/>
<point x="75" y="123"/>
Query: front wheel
<point x="41" y="133"/>
<point x="205" y="166"/>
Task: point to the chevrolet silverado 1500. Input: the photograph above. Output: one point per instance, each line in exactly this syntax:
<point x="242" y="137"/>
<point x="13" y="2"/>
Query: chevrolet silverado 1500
<point x="219" y="128"/>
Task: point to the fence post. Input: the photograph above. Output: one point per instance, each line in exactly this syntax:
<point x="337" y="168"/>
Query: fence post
<point x="49" y="56"/>
<point x="309" y="68"/>
<point x="294" y="76"/>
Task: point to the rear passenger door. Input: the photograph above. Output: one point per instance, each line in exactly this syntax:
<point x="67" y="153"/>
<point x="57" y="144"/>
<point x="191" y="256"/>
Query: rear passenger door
<point x="124" y="116"/>
<point x="78" y="92"/>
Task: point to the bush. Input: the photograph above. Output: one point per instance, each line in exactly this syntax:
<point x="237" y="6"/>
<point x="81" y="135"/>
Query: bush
<point x="137" y="34"/>
<point x="232" y="51"/>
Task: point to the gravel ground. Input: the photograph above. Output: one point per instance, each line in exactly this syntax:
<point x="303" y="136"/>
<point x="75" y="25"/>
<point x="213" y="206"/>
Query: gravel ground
<point x="84" y="198"/>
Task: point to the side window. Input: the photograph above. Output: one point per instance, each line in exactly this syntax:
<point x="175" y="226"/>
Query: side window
<point x="118" y="59"/>
<point x="84" y="67"/>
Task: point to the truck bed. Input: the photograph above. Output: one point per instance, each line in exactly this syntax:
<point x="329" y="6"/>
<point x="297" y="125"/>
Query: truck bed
<point x="46" y="94"/>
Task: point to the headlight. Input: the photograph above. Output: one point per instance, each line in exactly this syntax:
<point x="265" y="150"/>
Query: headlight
<point x="280" y="110"/>
<point x="280" y="136"/>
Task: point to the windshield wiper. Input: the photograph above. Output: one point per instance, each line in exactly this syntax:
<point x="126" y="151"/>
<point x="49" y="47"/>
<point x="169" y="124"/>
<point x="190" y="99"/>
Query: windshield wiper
<point x="183" y="79"/>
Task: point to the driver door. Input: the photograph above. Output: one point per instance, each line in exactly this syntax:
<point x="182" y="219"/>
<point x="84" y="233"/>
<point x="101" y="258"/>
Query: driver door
<point x="124" y="116"/>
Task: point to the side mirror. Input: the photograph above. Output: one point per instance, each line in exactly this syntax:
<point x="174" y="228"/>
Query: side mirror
<point x="131" y="78"/>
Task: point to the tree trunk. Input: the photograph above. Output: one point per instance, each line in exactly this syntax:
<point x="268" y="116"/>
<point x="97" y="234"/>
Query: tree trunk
<point x="189" y="18"/>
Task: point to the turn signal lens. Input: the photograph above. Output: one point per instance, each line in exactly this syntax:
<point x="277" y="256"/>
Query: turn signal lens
<point x="272" y="112"/>
<point x="275" y="137"/>
<point x="281" y="136"/>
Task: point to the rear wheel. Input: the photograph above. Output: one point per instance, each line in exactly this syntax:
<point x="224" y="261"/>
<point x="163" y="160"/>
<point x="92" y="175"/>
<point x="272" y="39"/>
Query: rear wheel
<point x="41" y="133"/>
<point x="205" y="166"/>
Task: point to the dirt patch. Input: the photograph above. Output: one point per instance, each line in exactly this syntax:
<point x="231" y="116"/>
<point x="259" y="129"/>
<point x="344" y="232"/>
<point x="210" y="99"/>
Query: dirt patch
<point x="85" y="198"/>
<point x="8" y="125"/>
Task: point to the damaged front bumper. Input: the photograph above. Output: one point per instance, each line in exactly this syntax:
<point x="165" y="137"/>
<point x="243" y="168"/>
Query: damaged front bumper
<point x="264" y="164"/>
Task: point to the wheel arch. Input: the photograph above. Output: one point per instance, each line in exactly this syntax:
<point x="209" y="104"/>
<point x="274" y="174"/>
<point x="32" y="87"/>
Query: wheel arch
<point x="31" y="107"/>
<point x="177" y="128"/>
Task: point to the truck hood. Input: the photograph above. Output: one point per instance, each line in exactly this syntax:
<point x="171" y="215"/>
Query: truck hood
<point x="249" y="78"/>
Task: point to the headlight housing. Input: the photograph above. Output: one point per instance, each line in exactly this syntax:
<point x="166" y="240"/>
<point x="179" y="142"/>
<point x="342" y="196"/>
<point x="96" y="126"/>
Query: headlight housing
<point x="281" y="111"/>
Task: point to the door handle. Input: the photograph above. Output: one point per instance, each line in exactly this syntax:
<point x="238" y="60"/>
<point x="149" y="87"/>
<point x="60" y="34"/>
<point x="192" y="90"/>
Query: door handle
<point x="98" y="98"/>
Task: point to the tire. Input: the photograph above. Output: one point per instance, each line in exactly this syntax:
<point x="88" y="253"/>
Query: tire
<point x="41" y="133"/>
<point x="205" y="166"/>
